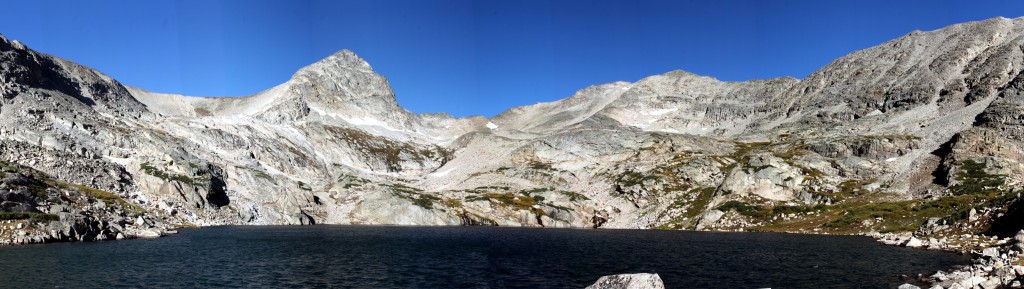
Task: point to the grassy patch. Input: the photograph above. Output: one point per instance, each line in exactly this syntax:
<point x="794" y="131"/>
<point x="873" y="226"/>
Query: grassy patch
<point x="392" y="151"/>
<point x="257" y="173"/>
<point x="754" y="169"/>
<point x="149" y="169"/>
<point x="105" y="196"/>
<point x="703" y="198"/>
<point x="521" y="200"/>
<point x="453" y="203"/>
<point x="691" y="208"/>
<point x="633" y="178"/>
<point x="972" y="179"/>
<point x="32" y="217"/>
<point x="349" y="181"/>
<point x="574" y="196"/>
<point x="417" y="196"/>
<point x="975" y="190"/>
<point x="303" y="186"/>
<point x="765" y="213"/>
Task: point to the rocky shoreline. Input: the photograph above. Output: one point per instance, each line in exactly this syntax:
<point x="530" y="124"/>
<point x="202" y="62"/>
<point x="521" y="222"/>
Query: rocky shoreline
<point x="996" y="262"/>
<point x="35" y="208"/>
<point x="20" y="232"/>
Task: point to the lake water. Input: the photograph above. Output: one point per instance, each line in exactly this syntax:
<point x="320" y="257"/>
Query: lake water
<point x="464" y="257"/>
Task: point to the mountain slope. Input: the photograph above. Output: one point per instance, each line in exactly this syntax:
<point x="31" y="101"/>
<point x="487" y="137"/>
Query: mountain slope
<point x="928" y="117"/>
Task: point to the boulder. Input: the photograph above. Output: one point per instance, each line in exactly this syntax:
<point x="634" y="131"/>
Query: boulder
<point x="908" y="286"/>
<point x="913" y="243"/>
<point x="629" y="281"/>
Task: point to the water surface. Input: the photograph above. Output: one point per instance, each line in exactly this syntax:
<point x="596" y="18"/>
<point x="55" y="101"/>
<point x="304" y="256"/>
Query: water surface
<point x="465" y="257"/>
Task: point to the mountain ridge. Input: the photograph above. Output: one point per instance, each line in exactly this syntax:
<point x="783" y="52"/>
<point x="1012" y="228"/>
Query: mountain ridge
<point x="896" y="122"/>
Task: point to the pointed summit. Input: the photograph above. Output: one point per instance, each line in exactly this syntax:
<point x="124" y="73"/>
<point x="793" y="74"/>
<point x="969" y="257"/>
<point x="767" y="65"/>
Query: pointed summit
<point x="342" y="60"/>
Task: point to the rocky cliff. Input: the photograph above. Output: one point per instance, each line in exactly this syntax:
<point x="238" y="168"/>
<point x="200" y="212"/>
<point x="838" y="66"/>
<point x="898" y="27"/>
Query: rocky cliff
<point x="913" y="134"/>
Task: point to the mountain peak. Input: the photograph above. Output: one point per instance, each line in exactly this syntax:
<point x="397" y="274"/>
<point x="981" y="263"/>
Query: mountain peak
<point x="347" y="58"/>
<point x="342" y="60"/>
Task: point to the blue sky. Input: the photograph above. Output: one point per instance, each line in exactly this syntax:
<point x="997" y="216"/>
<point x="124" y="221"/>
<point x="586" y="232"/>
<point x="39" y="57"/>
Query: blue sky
<point x="467" y="57"/>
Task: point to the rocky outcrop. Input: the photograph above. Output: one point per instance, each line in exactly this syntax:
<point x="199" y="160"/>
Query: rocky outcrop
<point x="995" y="266"/>
<point x="37" y="209"/>
<point x="629" y="281"/>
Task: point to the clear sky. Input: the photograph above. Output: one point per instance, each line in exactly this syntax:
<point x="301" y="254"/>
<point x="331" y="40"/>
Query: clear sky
<point x="467" y="57"/>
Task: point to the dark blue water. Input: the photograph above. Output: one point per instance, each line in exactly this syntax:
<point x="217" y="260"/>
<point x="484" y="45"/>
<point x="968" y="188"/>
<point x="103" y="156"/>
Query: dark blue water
<point x="464" y="257"/>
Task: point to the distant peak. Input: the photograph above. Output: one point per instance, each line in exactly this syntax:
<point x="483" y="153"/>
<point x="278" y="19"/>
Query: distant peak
<point x="681" y="73"/>
<point x="346" y="58"/>
<point x="342" y="60"/>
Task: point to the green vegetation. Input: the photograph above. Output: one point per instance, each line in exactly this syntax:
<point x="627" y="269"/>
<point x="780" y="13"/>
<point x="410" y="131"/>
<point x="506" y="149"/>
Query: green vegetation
<point x="976" y="189"/>
<point x="700" y="202"/>
<point x="763" y="213"/>
<point x="95" y="193"/>
<point x="303" y="186"/>
<point x="262" y="175"/>
<point x="453" y="203"/>
<point x="520" y="200"/>
<point x="693" y="207"/>
<point x="972" y="179"/>
<point x="540" y="166"/>
<point x="294" y="151"/>
<point x="741" y="208"/>
<point x="754" y="169"/>
<point x="417" y="196"/>
<point x="153" y="171"/>
<point x="392" y="151"/>
<point x="632" y="178"/>
<point x="32" y="217"/>
<point x="350" y="181"/>
<point x="574" y="196"/>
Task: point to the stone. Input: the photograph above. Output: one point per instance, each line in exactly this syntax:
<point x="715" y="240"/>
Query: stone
<point x="991" y="252"/>
<point x="913" y="243"/>
<point x="148" y="234"/>
<point x="629" y="281"/>
<point x="908" y="286"/>
<point x="991" y="284"/>
<point x="1019" y="237"/>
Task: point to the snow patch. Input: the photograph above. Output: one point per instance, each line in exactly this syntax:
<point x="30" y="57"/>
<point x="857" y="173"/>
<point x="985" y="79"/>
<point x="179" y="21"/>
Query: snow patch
<point x="890" y="160"/>
<point x="491" y="125"/>
<point x="662" y="111"/>
<point x="441" y="173"/>
<point x="360" y="121"/>
<point x="120" y="161"/>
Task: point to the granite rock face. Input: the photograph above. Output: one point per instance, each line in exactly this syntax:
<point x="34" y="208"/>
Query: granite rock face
<point x="900" y="121"/>
<point x="35" y="208"/>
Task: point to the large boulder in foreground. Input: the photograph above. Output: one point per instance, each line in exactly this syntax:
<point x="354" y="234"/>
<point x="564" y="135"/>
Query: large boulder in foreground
<point x="629" y="281"/>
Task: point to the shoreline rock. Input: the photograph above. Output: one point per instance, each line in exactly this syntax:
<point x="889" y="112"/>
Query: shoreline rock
<point x="629" y="281"/>
<point x="996" y="263"/>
